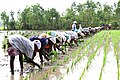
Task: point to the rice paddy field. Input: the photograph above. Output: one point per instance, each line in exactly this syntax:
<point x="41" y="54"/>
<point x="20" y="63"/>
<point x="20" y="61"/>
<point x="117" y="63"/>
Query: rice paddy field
<point x="97" y="58"/>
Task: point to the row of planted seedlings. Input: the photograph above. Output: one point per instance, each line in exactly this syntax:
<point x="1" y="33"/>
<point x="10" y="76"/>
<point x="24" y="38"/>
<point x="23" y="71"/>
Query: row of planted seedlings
<point x="53" y="69"/>
<point x="111" y="36"/>
<point x="116" y="43"/>
<point x="90" y="55"/>
<point x="96" y="45"/>
<point x="106" y="44"/>
<point x="118" y="58"/>
<point x="65" y="60"/>
<point x="83" y="51"/>
<point x="74" y="54"/>
<point x="118" y="55"/>
<point x="86" y="49"/>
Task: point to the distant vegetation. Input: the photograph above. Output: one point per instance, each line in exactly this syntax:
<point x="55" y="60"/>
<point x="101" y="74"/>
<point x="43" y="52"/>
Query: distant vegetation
<point x="88" y="14"/>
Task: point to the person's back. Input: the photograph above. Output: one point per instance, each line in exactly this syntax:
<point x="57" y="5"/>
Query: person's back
<point x="22" y="44"/>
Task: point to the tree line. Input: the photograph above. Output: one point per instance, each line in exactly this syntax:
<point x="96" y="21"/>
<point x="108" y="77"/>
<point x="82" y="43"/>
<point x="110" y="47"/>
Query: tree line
<point x="89" y="14"/>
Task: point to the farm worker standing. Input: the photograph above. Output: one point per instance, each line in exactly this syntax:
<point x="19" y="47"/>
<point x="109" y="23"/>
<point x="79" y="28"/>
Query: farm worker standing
<point x="109" y="26"/>
<point x="74" y="26"/>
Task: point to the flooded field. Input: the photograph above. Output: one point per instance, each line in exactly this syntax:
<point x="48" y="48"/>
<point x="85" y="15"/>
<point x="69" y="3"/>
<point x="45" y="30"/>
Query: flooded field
<point x="102" y="66"/>
<point x="98" y="59"/>
<point x="4" y="63"/>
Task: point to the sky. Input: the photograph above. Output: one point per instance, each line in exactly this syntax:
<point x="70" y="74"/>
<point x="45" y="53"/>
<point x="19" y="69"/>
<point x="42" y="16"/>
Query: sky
<point x="59" y="5"/>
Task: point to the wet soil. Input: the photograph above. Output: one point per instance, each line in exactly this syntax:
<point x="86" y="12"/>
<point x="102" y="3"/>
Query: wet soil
<point x="56" y="68"/>
<point x="48" y="67"/>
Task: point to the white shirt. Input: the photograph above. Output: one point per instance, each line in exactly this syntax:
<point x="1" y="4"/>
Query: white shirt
<point x="73" y="26"/>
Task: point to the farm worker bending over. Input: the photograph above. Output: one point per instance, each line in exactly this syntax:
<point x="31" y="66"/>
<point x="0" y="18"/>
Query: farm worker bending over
<point x="19" y="45"/>
<point x="74" y="26"/>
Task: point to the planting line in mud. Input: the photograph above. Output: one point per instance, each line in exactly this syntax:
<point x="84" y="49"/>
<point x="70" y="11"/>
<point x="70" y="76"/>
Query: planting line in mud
<point x="94" y="68"/>
<point x="88" y="49"/>
<point x="106" y="43"/>
<point x="92" y="56"/>
<point x="74" y="72"/>
<point x="80" y="64"/>
<point x="110" y="69"/>
<point x="118" y="57"/>
<point x="78" y="69"/>
<point x="118" y="54"/>
<point x="90" y="42"/>
<point x="72" y="64"/>
<point x="116" y="40"/>
<point x="64" y="70"/>
<point x="77" y="66"/>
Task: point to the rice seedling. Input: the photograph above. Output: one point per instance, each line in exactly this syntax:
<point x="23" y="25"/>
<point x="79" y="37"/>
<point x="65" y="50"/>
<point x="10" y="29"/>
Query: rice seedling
<point x="105" y="54"/>
<point x="68" y="70"/>
<point x="66" y="58"/>
<point x="115" y="39"/>
<point x="93" y="53"/>
<point x="91" y="44"/>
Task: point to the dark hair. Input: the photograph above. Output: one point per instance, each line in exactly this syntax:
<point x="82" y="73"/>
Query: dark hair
<point x="6" y="36"/>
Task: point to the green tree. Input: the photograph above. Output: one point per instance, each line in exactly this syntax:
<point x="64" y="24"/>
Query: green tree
<point x="52" y="18"/>
<point x="5" y="19"/>
<point x="12" y="21"/>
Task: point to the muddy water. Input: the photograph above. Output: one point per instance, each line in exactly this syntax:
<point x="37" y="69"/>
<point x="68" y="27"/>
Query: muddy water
<point x="94" y="70"/>
<point x="73" y="73"/>
<point x="76" y="71"/>
<point x="110" y="69"/>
